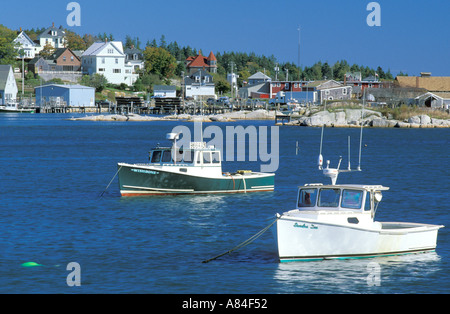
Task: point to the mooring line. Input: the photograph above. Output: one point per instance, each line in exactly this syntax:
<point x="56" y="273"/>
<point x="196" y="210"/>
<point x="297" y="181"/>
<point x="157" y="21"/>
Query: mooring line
<point x="111" y="181"/>
<point x="246" y="242"/>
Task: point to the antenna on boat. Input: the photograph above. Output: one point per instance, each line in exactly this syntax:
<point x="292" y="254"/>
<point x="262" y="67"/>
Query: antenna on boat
<point x="360" y="136"/>
<point x="333" y="173"/>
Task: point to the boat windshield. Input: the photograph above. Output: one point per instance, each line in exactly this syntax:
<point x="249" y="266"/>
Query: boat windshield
<point x="352" y="199"/>
<point x="329" y="197"/>
<point x="307" y="198"/>
<point x="165" y="156"/>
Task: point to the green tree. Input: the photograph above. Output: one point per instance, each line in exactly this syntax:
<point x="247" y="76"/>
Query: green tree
<point x="47" y="51"/>
<point x="98" y="81"/>
<point x="222" y="85"/>
<point x="159" y="61"/>
<point x="74" y="41"/>
<point x="7" y="51"/>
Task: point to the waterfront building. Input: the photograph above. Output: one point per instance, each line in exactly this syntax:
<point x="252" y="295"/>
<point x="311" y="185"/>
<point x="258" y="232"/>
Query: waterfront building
<point x="437" y="89"/>
<point x="8" y="85"/>
<point x="57" y="95"/>
<point x="199" y="84"/>
<point x="164" y="91"/>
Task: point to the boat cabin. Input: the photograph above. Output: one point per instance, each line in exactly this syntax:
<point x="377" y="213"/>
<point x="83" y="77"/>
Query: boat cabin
<point x="196" y="155"/>
<point x="360" y="198"/>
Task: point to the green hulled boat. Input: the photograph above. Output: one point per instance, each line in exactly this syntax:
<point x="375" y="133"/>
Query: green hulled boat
<point x="196" y="170"/>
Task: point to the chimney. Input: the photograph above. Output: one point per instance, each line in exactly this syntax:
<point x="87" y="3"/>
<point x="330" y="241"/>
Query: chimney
<point x="417" y="81"/>
<point x="53" y="24"/>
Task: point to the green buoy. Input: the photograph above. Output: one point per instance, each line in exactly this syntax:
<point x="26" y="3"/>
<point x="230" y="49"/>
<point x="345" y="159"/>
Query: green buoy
<point x="31" y="264"/>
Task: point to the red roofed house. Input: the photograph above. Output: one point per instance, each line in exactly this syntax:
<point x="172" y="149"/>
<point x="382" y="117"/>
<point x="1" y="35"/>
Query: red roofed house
<point x="200" y="62"/>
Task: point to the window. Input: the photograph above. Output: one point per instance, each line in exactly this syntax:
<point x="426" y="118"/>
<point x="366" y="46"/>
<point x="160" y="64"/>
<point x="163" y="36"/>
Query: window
<point x="215" y="157"/>
<point x="101" y="69"/>
<point x="117" y="71"/>
<point x="307" y="197"/>
<point x="344" y="91"/>
<point x="156" y="156"/>
<point x="206" y="157"/>
<point x="352" y="199"/>
<point x="64" y="58"/>
<point x="71" y="58"/>
<point x="103" y="60"/>
<point x="367" y="204"/>
<point x="167" y="156"/>
<point x="188" y="156"/>
<point x="117" y="61"/>
<point x="329" y="197"/>
<point x="178" y="155"/>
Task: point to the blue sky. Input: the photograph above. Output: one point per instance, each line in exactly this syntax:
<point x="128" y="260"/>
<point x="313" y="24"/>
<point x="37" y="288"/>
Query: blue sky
<point x="414" y="36"/>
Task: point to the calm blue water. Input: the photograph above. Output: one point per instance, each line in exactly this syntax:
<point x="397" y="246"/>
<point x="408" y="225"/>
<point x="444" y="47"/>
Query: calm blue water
<point x="54" y="170"/>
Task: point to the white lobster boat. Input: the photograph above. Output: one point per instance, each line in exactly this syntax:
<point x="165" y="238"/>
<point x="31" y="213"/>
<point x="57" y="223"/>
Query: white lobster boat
<point x="337" y="222"/>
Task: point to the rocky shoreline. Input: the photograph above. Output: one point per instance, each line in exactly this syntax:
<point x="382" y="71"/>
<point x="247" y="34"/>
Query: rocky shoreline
<point x="338" y="118"/>
<point x="354" y="118"/>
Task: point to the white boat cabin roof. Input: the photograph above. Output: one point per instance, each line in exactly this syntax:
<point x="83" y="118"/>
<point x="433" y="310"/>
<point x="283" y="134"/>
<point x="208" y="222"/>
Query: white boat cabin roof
<point x="367" y="187"/>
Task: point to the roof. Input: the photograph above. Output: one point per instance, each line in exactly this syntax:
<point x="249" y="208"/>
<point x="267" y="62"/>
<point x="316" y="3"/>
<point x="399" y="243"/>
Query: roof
<point x="4" y="73"/>
<point x="24" y="35"/>
<point x="96" y="48"/>
<point x="212" y="57"/>
<point x="201" y="61"/>
<point x="370" y="187"/>
<point x="442" y="95"/>
<point x="58" y="52"/>
<point x="430" y="83"/>
<point x="318" y="84"/>
<point x="65" y="86"/>
<point x="259" y="76"/>
<point x="164" y="87"/>
<point x="48" y="32"/>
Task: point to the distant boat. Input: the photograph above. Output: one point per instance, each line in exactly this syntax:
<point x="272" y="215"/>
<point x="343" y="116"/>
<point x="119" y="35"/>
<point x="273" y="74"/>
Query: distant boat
<point x="196" y="170"/>
<point x="337" y="222"/>
<point x="14" y="107"/>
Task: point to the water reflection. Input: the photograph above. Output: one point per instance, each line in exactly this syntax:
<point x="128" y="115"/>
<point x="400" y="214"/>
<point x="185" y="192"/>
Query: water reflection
<point x="396" y="274"/>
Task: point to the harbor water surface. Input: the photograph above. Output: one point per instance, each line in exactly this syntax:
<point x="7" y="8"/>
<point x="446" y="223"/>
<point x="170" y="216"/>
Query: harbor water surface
<point x="55" y="170"/>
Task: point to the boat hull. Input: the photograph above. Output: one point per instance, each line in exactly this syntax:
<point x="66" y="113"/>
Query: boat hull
<point x="305" y="239"/>
<point x="137" y="180"/>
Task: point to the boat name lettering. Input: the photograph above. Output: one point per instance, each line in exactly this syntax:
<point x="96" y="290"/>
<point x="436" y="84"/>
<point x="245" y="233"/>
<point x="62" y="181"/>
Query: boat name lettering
<point x="145" y="171"/>
<point x="305" y="226"/>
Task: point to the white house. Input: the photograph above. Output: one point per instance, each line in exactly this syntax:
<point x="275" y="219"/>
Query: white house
<point x="164" y="91"/>
<point x="108" y="58"/>
<point x="56" y="37"/>
<point x="199" y="84"/>
<point x="29" y="47"/>
<point x="8" y="85"/>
